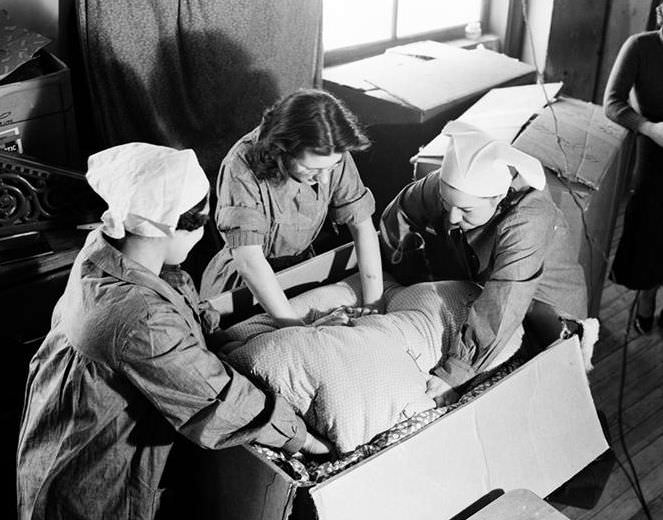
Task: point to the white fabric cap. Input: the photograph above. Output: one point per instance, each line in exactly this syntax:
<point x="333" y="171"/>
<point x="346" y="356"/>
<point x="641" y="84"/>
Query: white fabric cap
<point x="147" y="187"/>
<point x="478" y="165"/>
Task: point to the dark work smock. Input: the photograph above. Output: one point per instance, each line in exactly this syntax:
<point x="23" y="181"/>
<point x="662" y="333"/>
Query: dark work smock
<point x="638" y="262"/>
<point x="523" y="253"/>
<point x="284" y="218"/>
<point x="123" y="370"/>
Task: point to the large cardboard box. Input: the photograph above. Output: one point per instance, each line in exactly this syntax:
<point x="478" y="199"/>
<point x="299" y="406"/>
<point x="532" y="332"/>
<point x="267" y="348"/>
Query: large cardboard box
<point x="586" y="170"/>
<point x="37" y="113"/>
<point x="534" y="429"/>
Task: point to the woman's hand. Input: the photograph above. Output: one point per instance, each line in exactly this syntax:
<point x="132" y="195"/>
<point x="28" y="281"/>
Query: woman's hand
<point x="440" y="391"/>
<point x="336" y="317"/>
<point x="317" y="446"/>
<point x="361" y="310"/>
<point x="653" y="130"/>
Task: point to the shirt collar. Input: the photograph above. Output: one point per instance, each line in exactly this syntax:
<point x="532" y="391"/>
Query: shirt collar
<point x="101" y="253"/>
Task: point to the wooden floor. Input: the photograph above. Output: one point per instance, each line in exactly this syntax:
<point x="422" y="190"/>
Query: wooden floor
<point x="642" y="408"/>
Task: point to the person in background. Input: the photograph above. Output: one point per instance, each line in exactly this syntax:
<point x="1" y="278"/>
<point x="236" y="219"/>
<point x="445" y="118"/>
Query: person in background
<point x="485" y="216"/>
<point x="638" y="263"/>
<point x="275" y="188"/>
<point x="124" y="369"/>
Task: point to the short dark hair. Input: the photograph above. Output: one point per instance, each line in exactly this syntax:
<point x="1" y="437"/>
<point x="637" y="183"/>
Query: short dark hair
<point x="308" y="119"/>
<point x="193" y="219"/>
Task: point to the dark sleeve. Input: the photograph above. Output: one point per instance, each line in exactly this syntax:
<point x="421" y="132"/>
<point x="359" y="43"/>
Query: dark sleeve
<point x="495" y="315"/>
<point x="240" y="212"/>
<point x="351" y="202"/>
<point x="203" y="398"/>
<point x="415" y="209"/>
<point x="622" y="78"/>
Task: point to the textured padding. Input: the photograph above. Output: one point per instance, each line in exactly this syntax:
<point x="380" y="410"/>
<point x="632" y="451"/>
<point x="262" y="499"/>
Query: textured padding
<point x="351" y="383"/>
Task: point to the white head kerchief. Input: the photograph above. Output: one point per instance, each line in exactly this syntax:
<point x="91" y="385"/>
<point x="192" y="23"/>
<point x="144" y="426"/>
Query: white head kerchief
<point x="147" y="187"/>
<point x="478" y="165"/>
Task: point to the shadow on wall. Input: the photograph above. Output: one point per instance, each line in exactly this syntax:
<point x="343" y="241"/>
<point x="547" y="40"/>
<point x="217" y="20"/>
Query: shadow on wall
<point x="202" y="93"/>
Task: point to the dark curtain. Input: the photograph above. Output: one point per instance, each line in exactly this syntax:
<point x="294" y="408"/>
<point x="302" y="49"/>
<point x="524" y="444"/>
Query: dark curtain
<point x="194" y="73"/>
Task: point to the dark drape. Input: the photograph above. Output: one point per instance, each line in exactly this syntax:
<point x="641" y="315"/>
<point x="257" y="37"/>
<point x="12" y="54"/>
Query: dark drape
<point x="194" y="73"/>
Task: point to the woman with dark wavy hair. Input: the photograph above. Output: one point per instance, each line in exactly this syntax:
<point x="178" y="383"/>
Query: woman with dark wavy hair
<point x="275" y="188"/>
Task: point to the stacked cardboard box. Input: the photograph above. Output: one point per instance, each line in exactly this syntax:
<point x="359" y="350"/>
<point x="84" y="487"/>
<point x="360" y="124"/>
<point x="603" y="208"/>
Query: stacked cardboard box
<point x="36" y="105"/>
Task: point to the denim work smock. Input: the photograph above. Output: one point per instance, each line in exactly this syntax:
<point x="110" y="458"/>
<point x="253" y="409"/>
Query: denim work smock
<point x="523" y="253"/>
<point x="284" y="218"/>
<point x="123" y="370"/>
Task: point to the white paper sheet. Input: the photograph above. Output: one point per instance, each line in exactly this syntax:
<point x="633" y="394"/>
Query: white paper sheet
<point x="457" y="75"/>
<point x="501" y="113"/>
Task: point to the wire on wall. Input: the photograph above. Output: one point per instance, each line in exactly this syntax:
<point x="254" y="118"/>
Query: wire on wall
<point x="632" y="477"/>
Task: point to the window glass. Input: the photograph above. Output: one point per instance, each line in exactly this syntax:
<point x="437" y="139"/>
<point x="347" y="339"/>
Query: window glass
<point x="419" y="16"/>
<point x="354" y="22"/>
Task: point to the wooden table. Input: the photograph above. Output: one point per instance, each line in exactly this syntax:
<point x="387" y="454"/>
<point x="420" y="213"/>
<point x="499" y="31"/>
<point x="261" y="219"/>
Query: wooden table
<point x="414" y="83"/>
<point x="518" y="504"/>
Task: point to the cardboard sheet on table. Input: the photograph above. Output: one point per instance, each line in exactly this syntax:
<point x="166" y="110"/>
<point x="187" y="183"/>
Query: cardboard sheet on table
<point x="501" y="113"/>
<point x="353" y="74"/>
<point x="457" y="75"/>
<point x="17" y="45"/>
<point x="587" y="141"/>
<point x="427" y="49"/>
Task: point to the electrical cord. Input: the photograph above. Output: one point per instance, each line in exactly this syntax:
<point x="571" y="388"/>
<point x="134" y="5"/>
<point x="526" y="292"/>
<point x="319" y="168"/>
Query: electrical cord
<point x="633" y="480"/>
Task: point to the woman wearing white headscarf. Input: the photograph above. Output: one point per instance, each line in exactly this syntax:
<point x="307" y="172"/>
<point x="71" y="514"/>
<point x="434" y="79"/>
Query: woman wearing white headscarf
<point x="125" y="368"/>
<point x="485" y="216"/>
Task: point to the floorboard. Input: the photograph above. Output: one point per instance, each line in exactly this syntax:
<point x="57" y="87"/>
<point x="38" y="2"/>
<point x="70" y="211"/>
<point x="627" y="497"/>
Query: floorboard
<point x="642" y="410"/>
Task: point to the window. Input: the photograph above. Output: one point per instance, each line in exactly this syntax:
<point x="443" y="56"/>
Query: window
<point x="356" y="28"/>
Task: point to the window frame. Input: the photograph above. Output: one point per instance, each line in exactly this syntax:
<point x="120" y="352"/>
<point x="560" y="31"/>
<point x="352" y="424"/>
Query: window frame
<point x="365" y="50"/>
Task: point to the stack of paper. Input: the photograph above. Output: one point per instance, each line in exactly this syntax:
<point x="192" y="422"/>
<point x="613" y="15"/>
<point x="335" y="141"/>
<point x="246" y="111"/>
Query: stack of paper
<point x="501" y="113"/>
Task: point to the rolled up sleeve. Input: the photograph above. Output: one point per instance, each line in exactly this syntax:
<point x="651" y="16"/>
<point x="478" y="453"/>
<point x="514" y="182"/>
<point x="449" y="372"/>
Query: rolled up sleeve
<point x="203" y="398"/>
<point x="240" y="211"/>
<point x="351" y="202"/>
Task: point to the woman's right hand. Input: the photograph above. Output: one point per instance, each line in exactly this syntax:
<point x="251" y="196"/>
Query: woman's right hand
<point x="440" y="391"/>
<point x="336" y="317"/>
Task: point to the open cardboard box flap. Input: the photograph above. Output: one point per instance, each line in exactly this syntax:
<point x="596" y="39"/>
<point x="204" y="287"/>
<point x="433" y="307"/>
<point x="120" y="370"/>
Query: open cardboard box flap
<point x="534" y="429"/>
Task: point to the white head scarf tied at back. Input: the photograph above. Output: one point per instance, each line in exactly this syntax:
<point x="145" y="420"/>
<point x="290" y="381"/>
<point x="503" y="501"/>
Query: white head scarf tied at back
<point x="147" y="187"/>
<point x="478" y="165"/>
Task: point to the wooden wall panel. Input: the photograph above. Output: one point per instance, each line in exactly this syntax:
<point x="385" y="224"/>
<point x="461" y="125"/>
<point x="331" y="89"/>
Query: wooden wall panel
<point x="624" y="18"/>
<point x="574" y="46"/>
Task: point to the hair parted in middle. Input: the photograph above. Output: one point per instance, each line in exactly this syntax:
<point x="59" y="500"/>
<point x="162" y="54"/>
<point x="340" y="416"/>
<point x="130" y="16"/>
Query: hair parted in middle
<point x="308" y="119"/>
